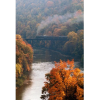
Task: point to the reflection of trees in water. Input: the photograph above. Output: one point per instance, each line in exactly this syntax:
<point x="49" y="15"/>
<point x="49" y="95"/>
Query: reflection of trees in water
<point x="22" y="89"/>
<point x="44" y="55"/>
<point x="47" y="56"/>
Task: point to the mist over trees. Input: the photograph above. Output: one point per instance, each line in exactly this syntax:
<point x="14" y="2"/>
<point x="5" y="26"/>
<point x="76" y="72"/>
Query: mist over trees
<point x="52" y="18"/>
<point x="46" y="16"/>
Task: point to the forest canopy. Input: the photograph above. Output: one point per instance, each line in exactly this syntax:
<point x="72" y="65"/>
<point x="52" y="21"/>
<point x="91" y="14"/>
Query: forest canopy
<point x="48" y="17"/>
<point x="52" y="18"/>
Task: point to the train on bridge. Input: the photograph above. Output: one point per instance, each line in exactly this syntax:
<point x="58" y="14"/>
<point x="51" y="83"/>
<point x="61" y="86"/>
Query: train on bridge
<point x="51" y="37"/>
<point x="62" y="38"/>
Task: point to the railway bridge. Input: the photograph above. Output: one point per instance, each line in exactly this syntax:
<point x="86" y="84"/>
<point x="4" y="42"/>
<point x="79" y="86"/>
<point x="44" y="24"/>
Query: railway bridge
<point x="53" y="39"/>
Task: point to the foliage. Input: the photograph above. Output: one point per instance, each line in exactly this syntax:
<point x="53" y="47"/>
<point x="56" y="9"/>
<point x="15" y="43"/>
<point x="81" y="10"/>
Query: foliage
<point x="24" y="58"/>
<point x="30" y="14"/>
<point x="75" y="43"/>
<point x="52" y="18"/>
<point x="19" y="70"/>
<point x="64" y="82"/>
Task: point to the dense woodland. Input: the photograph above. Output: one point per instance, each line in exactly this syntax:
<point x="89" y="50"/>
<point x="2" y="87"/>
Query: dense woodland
<point x="64" y="82"/>
<point x="52" y="18"/>
<point x="24" y="58"/>
<point x="48" y="17"/>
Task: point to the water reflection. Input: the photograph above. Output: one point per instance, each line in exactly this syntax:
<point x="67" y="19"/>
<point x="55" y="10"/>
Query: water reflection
<point x="33" y="91"/>
<point x="43" y="62"/>
<point x="43" y="55"/>
<point x="20" y="91"/>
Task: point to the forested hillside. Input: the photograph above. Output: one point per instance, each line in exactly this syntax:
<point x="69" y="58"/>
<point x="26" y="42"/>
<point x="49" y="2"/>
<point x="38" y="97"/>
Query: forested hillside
<point x="52" y="18"/>
<point x="48" y="17"/>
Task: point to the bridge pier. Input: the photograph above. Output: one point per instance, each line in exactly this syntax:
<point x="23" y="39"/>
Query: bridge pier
<point x="32" y="43"/>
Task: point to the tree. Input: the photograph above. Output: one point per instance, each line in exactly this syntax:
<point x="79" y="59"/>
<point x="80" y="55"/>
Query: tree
<point x="64" y="82"/>
<point x="50" y="4"/>
<point x="57" y="32"/>
<point x="72" y="36"/>
<point x="19" y="70"/>
<point x="24" y="58"/>
<point x="70" y="45"/>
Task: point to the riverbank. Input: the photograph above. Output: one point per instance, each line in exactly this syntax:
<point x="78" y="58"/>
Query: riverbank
<point x="25" y="79"/>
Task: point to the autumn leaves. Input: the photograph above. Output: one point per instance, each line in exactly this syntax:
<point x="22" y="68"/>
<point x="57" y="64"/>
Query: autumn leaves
<point x="24" y="58"/>
<point x="64" y="82"/>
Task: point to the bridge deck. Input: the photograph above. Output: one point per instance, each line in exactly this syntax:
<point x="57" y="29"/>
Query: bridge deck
<point x="49" y="38"/>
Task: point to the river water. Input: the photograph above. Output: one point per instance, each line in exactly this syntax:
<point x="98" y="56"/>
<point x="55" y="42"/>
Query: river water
<point x="43" y="62"/>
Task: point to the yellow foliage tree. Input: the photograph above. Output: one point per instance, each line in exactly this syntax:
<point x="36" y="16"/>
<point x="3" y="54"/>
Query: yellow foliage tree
<point x="19" y="70"/>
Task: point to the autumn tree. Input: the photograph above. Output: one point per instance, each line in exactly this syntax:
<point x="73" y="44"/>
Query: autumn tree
<point x="79" y="50"/>
<point x="72" y="36"/>
<point x="70" y="45"/>
<point x="57" y="32"/>
<point x="24" y="59"/>
<point x="49" y="4"/>
<point x="64" y="82"/>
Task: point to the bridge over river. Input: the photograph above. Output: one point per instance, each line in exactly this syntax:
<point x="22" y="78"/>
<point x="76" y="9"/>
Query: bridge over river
<point x="53" y="39"/>
<point x="62" y="38"/>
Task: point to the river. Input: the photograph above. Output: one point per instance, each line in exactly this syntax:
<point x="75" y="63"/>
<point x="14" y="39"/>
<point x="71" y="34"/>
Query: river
<point x="43" y="62"/>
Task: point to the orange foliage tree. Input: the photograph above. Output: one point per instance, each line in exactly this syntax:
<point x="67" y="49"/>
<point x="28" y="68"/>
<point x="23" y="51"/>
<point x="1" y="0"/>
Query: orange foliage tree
<point x="64" y="82"/>
<point x="24" y="59"/>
